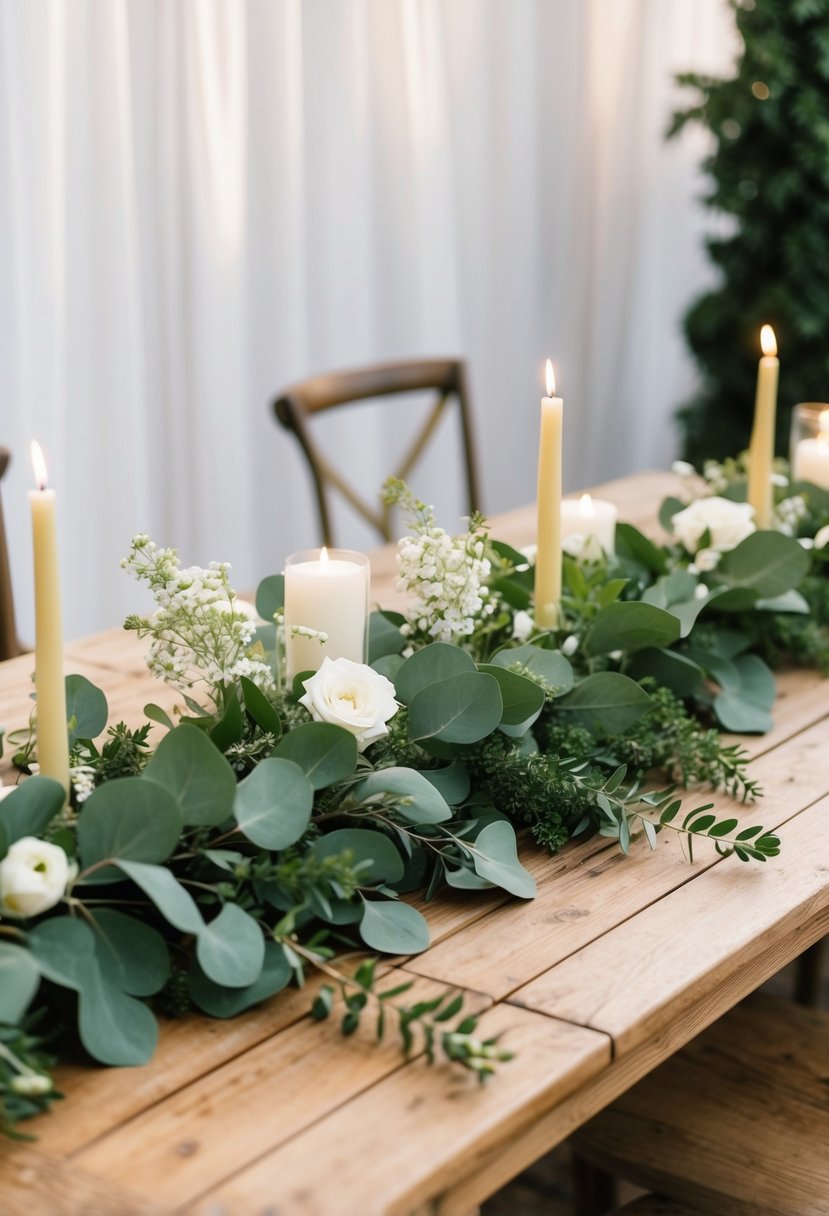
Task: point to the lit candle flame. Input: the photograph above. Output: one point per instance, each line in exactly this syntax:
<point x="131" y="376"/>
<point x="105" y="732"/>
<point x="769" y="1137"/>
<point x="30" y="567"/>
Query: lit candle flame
<point x="39" y="465"/>
<point x="551" y="379"/>
<point x="586" y="506"/>
<point x="323" y="555"/>
<point x="823" y="424"/>
<point x="768" y="342"/>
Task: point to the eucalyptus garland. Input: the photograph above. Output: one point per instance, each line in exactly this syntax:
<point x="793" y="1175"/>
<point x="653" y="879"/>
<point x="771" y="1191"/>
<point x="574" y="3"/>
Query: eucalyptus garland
<point x="270" y="834"/>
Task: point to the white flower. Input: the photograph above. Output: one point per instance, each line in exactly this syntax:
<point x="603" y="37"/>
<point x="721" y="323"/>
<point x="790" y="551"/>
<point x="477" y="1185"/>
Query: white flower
<point x="573" y="544"/>
<point x="683" y="469"/>
<point x="530" y="552"/>
<point x="779" y="479"/>
<point x="523" y="626"/>
<point x="822" y="537"/>
<point x="33" y="877"/>
<point x="726" y="522"/>
<point x="707" y="559"/>
<point x="570" y="645"/>
<point x="353" y="696"/>
<point x="700" y="591"/>
<point x="30" y="1084"/>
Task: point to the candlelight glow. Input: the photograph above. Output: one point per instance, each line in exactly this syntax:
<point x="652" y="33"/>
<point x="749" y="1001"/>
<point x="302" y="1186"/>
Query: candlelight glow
<point x="39" y="465"/>
<point x="323" y="554"/>
<point x="551" y="379"/>
<point x="768" y="342"/>
<point x="586" y="506"/>
<point x="823" y="424"/>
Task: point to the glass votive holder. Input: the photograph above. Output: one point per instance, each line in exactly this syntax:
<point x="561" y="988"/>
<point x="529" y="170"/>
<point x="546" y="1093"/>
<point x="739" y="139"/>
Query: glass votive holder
<point x="809" y="443"/>
<point x="326" y="593"/>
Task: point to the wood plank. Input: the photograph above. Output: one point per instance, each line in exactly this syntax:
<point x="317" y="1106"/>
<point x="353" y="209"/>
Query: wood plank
<point x="34" y="1184"/>
<point x="98" y="1099"/>
<point x="637" y="980"/>
<point x="118" y="648"/>
<point x="561" y="1121"/>
<point x="265" y="1097"/>
<point x="583" y="895"/>
<point x="432" y="1125"/>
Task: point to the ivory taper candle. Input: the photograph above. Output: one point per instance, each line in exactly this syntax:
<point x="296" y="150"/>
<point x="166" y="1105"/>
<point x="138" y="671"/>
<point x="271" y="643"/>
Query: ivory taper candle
<point x="761" y="450"/>
<point x="548" y="557"/>
<point x="50" y="688"/>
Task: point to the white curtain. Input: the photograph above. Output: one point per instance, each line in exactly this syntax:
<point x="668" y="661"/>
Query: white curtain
<point x="204" y="200"/>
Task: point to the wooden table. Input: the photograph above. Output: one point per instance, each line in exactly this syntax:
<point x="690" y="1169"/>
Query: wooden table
<point x="616" y="964"/>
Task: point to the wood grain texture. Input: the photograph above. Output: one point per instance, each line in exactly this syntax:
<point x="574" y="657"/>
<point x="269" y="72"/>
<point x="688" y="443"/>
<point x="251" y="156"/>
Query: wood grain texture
<point x="241" y="1110"/>
<point x="401" y="1142"/>
<point x="639" y="978"/>
<point x="33" y="1184"/>
<point x="737" y="1122"/>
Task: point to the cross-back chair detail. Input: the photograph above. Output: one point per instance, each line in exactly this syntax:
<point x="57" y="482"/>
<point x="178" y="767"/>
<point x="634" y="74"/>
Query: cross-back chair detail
<point x="9" y="642"/>
<point x="297" y="405"/>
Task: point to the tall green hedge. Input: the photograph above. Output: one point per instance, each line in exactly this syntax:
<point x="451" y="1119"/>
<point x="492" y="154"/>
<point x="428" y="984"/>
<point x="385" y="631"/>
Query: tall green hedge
<point x="769" y="169"/>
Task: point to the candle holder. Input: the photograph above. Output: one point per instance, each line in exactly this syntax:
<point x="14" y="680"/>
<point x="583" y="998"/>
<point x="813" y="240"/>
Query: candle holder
<point x="809" y="443"/>
<point x="326" y="593"/>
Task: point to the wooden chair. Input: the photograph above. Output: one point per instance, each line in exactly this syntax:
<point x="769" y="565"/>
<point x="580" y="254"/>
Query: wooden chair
<point x="9" y="642"/>
<point x="735" y="1124"/>
<point x="296" y="406"/>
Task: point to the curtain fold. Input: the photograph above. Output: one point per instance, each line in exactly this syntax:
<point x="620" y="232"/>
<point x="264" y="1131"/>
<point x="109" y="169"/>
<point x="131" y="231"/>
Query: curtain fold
<point x="204" y="201"/>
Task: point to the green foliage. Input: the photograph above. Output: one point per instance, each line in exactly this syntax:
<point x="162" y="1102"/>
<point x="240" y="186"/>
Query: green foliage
<point x="769" y="171"/>
<point x="26" y="1087"/>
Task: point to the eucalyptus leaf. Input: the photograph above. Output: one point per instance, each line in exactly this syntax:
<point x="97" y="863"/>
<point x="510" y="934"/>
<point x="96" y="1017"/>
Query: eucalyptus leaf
<point x="633" y="545"/>
<point x="522" y="698"/>
<point x="129" y="818"/>
<point x="156" y="714"/>
<point x="424" y="803"/>
<point x="461" y="709"/>
<point x="389" y="665"/>
<point x="174" y="902"/>
<point x="131" y="956"/>
<point x="325" y="753"/>
<point x="273" y="804"/>
<point x="768" y="563"/>
<point x="30" y="808"/>
<point x="384" y="636"/>
<point x="745" y="703"/>
<point x="222" y="1002"/>
<point x="64" y="950"/>
<point x="606" y="701"/>
<point x="86" y="709"/>
<point x="464" y="879"/>
<point x="669" y="508"/>
<point x="19" y="980"/>
<point x="382" y="860"/>
<point x="270" y="596"/>
<point x="496" y="859"/>
<point x="393" y="928"/>
<point x="230" y="727"/>
<point x="550" y="666"/>
<point x="231" y="948"/>
<point x="260" y="708"/>
<point x="115" y="1029"/>
<point x="439" y="661"/>
<point x="669" y="668"/>
<point x="630" y="626"/>
<point x="190" y="766"/>
<point x="451" y="782"/>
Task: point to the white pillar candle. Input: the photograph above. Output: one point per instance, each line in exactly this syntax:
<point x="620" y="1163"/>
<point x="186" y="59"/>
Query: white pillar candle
<point x="587" y="517"/>
<point x="50" y="687"/>
<point x="329" y="594"/>
<point x="761" y="449"/>
<point x="548" y="557"/>
<point x="811" y="456"/>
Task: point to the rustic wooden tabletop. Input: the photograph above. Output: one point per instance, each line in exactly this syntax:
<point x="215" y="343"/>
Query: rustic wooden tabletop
<point x="617" y="963"/>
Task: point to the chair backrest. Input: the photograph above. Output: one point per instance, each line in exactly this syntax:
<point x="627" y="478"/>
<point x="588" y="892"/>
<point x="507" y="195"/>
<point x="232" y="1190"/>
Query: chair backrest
<point x="297" y="405"/>
<point x="9" y="644"/>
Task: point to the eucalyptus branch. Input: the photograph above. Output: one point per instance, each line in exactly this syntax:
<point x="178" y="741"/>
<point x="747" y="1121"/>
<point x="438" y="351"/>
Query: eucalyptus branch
<point x="427" y="1020"/>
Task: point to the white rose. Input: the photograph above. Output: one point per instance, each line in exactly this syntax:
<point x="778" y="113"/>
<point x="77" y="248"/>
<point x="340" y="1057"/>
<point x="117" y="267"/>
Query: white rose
<point x="727" y="523"/>
<point x="353" y="696"/>
<point x="822" y="537"/>
<point x="33" y="877"/>
<point x="707" y="559"/>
